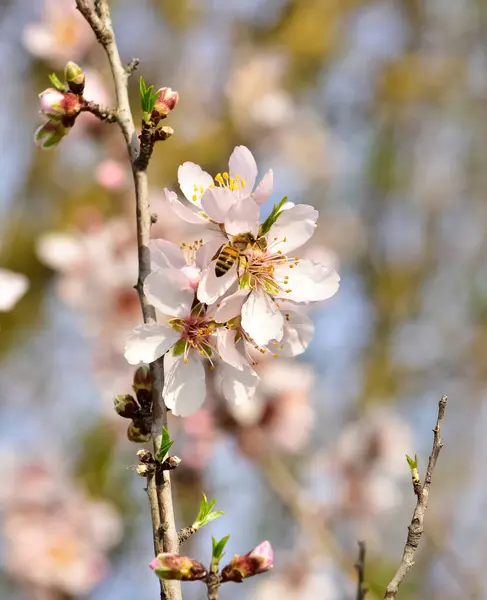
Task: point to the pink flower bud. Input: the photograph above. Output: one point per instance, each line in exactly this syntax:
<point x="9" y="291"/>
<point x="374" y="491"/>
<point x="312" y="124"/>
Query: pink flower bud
<point x="165" y="103"/>
<point x="258" y="560"/>
<point x="173" y="566"/>
<point x="56" y="104"/>
<point x="50" y="134"/>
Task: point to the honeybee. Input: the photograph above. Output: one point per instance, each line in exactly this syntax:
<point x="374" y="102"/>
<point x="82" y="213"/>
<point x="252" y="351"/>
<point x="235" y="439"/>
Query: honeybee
<point x="228" y="254"/>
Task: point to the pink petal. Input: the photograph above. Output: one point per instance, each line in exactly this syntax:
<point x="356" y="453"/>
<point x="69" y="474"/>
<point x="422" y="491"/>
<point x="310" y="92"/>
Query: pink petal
<point x="293" y="228"/>
<point x="231" y="306"/>
<point x="263" y="191"/>
<point x="217" y="201"/>
<point x="170" y="291"/>
<point x="184" y="384"/>
<point x="238" y="386"/>
<point x="228" y="350"/>
<point x="243" y="217"/>
<point x="208" y="250"/>
<point x="12" y="287"/>
<point x="165" y="254"/>
<point x="189" y="213"/>
<point x="307" y="282"/>
<point x="243" y="163"/>
<point x="189" y="175"/>
<point x="212" y="287"/>
<point x="149" y="342"/>
<point x="261" y="318"/>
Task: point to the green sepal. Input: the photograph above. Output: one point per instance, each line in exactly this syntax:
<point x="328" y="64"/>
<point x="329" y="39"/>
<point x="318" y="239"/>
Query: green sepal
<point x="57" y="83"/>
<point x="179" y="347"/>
<point x="272" y="218"/>
<point x="165" y="446"/>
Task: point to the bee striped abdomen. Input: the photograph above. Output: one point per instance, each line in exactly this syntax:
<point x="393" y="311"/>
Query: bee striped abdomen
<point x="226" y="259"/>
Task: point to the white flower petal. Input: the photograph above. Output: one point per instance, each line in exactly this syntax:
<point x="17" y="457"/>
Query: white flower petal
<point x="60" y="251"/>
<point x="217" y="201"/>
<point x="231" y="306"/>
<point x="190" y="175"/>
<point x="263" y="191"/>
<point x="296" y="225"/>
<point x="189" y="213"/>
<point x="261" y="318"/>
<point x="212" y="287"/>
<point x="243" y="163"/>
<point x="298" y="333"/>
<point x="308" y="281"/>
<point x="227" y="349"/>
<point x="149" y="342"/>
<point x="184" y="385"/>
<point x="12" y="287"/>
<point x="238" y="387"/>
<point x="243" y="217"/>
<point x="165" y="254"/>
<point x="170" y="291"/>
<point x="208" y="250"/>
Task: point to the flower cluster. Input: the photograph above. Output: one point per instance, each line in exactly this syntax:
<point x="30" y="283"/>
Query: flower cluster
<point x="234" y="296"/>
<point x="61" y="105"/>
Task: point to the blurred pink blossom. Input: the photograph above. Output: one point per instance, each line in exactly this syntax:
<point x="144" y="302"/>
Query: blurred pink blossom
<point x="112" y="175"/>
<point x="60" y="36"/>
<point x="55" y="529"/>
<point x="12" y="287"/>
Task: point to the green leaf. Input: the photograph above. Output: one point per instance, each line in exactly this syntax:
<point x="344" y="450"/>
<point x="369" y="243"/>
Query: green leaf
<point x="57" y="83"/>
<point x="147" y="98"/>
<point x="206" y="514"/>
<point x="218" y="547"/>
<point x="412" y="462"/>
<point x="165" y="446"/>
<point x="271" y="219"/>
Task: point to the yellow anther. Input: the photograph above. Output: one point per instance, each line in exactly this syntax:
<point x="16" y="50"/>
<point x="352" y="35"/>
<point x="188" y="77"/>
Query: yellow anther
<point x="285" y="239"/>
<point x="183" y="244"/>
<point x="275" y="355"/>
<point x="212" y="185"/>
<point x="291" y="266"/>
<point x="276" y="344"/>
<point x="296" y="258"/>
<point x="218" y="305"/>
<point x="212" y="367"/>
<point x="219" y="179"/>
<point x="195" y="187"/>
<point x="275" y="239"/>
<point x="225" y="175"/>
<point x="201" y="189"/>
<point x="288" y="291"/>
<point x="185" y="361"/>
<point x="243" y="182"/>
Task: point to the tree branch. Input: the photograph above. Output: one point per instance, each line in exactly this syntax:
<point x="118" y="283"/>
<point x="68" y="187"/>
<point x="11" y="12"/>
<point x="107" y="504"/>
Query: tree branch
<point x="98" y="17"/>
<point x="360" y="567"/>
<point x="416" y="528"/>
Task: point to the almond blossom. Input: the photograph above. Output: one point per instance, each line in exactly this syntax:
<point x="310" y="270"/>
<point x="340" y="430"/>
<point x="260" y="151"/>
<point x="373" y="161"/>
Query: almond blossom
<point x="216" y="200"/>
<point x="268" y="271"/>
<point x="186" y="338"/>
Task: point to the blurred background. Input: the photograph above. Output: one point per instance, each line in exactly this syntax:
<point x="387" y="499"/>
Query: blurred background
<point x="374" y="111"/>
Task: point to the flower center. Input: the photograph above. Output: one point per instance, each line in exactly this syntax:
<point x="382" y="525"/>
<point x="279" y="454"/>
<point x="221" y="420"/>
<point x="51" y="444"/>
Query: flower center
<point x="259" y="266"/>
<point x="196" y="334"/>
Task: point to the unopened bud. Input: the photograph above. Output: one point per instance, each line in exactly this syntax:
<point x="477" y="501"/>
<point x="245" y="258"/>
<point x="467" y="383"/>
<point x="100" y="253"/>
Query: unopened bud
<point x="163" y="133"/>
<point x="172" y="462"/>
<point x="126" y="406"/>
<point x="50" y="134"/>
<point x="173" y="566"/>
<point x="144" y="470"/>
<point x="75" y="78"/>
<point x="57" y="104"/>
<point x="144" y="456"/>
<point x="258" y="560"/>
<point x="166" y="101"/>
<point x="142" y="379"/>
<point x="137" y="432"/>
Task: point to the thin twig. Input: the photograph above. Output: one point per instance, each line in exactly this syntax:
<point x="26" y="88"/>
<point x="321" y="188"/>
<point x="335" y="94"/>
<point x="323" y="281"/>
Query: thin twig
<point x="416" y="528"/>
<point x="185" y="533"/>
<point x="108" y="115"/>
<point x="213" y="582"/>
<point x="360" y="567"/>
<point x="100" y="22"/>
